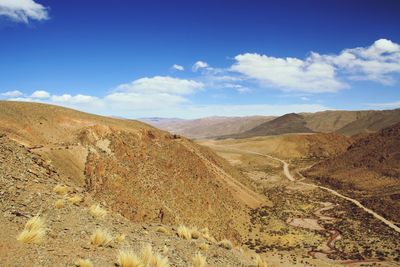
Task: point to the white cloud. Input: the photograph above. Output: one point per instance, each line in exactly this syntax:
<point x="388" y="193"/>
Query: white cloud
<point x="320" y="73"/>
<point x="161" y="84"/>
<point x="377" y="62"/>
<point x="178" y="67"/>
<point x="14" y="93"/>
<point x="76" y="99"/>
<point x="199" y="65"/>
<point x="289" y="74"/>
<point x="40" y="94"/>
<point x="388" y="105"/>
<point x="23" y="10"/>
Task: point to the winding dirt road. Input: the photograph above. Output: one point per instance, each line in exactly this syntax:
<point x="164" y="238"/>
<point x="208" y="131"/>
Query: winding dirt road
<point x="290" y="177"/>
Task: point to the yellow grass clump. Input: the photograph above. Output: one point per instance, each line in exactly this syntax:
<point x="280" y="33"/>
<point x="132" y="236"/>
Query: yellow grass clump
<point x="61" y="189"/>
<point x="59" y="204"/>
<point x="84" y="263"/>
<point x="259" y="262"/>
<point x="34" y="231"/>
<point x="199" y="260"/>
<point x="75" y="200"/>
<point x="165" y="250"/>
<point x="100" y="238"/>
<point x="96" y="211"/>
<point x="149" y="259"/>
<point x="163" y="230"/>
<point x="225" y="243"/>
<point x="204" y="246"/>
<point x="158" y="261"/>
<point x="127" y="258"/>
<point x="120" y="238"/>
<point x="184" y="232"/>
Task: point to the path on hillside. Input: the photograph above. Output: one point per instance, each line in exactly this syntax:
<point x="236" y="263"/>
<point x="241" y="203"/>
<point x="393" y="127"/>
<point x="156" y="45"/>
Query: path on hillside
<point x="334" y="192"/>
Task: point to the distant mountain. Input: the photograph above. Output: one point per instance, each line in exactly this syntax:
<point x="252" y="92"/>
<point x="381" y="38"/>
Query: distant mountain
<point x="207" y="127"/>
<point x="369" y="170"/>
<point x="348" y="123"/>
<point x="288" y="123"/>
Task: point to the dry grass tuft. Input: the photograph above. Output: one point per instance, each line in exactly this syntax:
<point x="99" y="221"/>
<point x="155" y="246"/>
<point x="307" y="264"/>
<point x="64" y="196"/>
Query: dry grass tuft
<point x="204" y="246"/>
<point x="165" y="250"/>
<point x="61" y="189"/>
<point x="159" y="261"/>
<point x="184" y="232"/>
<point x="120" y="238"/>
<point x="146" y="254"/>
<point x="75" y="200"/>
<point x="163" y="230"/>
<point x="199" y="260"/>
<point x="225" y="243"/>
<point x="84" y="263"/>
<point x="259" y="262"/>
<point x="34" y="231"/>
<point x="205" y="231"/>
<point x="97" y="211"/>
<point x="210" y="239"/>
<point x="127" y="258"/>
<point x="59" y="204"/>
<point x="100" y="238"/>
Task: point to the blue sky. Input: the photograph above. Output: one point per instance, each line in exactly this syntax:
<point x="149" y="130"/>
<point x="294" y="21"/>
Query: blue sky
<point x="194" y="59"/>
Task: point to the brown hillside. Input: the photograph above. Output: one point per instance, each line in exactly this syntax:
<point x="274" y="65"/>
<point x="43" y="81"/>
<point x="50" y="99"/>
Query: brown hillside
<point x="137" y="170"/>
<point x="288" y="123"/>
<point x="371" y="168"/>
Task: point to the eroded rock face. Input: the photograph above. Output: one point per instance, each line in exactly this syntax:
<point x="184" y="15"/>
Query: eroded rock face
<point x="150" y="176"/>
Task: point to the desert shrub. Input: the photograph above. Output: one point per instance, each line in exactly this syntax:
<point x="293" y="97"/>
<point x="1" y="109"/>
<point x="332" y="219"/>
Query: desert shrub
<point x="61" y="189"/>
<point x="184" y="232"/>
<point x="96" y="211"/>
<point x="199" y="260"/>
<point x="100" y="238"/>
<point x="34" y="231"/>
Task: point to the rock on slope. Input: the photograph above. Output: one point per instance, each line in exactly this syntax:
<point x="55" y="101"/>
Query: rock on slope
<point x="26" y="189"/>
<point x="369" y="170"/>
<point x="141" y="172"/>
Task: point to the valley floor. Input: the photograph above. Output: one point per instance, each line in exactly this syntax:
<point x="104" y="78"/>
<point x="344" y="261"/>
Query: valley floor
<point x="307" y="225"/>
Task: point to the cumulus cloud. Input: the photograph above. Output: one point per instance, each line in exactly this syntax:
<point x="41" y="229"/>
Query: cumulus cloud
<point x="319" y="73"/>
<point x="178" y="67"/>
<point x="76" y="99"/>
<point x="14" y="93"/>
<point x="23" y="10"/>
<point x="200" y="65"/>
<point x="40" y="94"/>
<point x="161" y="84"/>
<point x="388" y="105"/>
<point x="289" y="74"/>
<point x="377" y="62"/>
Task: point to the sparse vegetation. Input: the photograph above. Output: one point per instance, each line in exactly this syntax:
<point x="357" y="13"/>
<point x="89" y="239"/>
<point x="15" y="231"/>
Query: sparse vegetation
<point x="184" y="232"/>
<point x="97" y="211"/>
<point x="150" y="259"/>
<point x="225" y="243"/>
<point x="75" y="200"/>
<point x="61" y="189"/>
<point x="259" y="262"/>
<point x="163" y="230"/>
<point x="84" y="263"/>
<point x="59" y="203"/>
<point x="34" y="231"/>
<point x="120" y="238"/>
<point x="199" y="260"/>
<point x="100" y="238"/>
<point x="127" y="258"/>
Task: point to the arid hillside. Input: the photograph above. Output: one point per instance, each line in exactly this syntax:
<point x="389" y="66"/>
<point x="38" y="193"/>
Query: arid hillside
<point x="208" y="127"/>
<point x="47" y="222"/>
<point x="369" y="170"/>
<point x="140" y="172"/>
